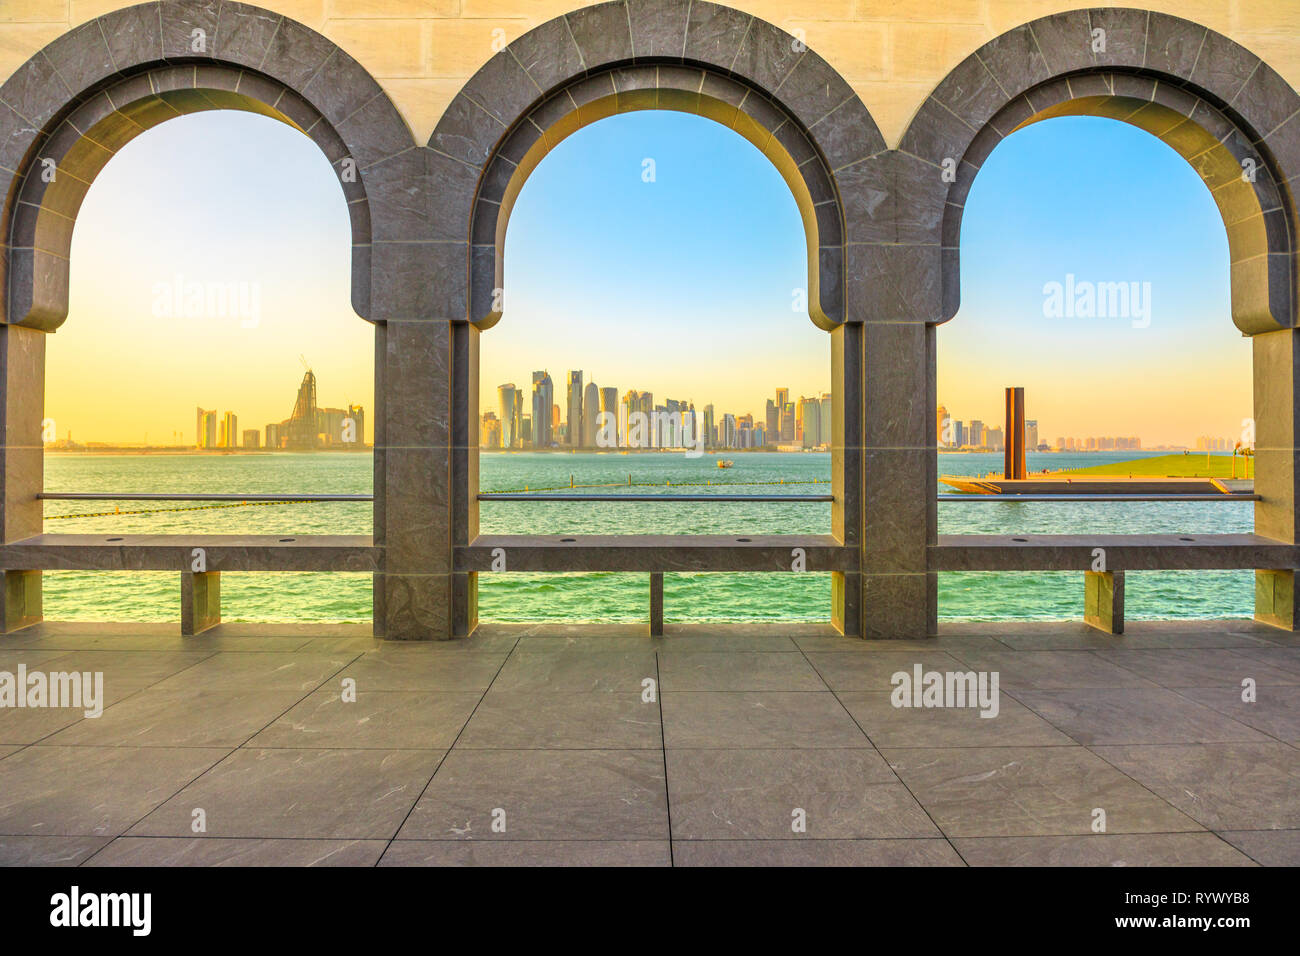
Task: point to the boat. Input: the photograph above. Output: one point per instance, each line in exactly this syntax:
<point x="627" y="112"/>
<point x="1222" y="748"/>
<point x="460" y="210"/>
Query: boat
<point x="726" y="463"/>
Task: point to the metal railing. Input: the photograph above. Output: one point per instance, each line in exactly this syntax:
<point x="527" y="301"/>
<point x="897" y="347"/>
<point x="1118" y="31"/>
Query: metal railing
<point x="551" y="496"/>
<point x="163" y="496"/>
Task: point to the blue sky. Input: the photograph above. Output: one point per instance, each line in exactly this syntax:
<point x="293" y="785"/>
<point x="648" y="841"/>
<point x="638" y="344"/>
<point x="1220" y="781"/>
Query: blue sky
<point x="1106" y="202"/>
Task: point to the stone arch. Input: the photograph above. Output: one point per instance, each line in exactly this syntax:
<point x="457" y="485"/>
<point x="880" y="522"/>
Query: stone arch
<point x="1214" y="102"/>
<point x="684" y="55"/>
<point x="627" y="55"/>
<point x="67" y="111"/>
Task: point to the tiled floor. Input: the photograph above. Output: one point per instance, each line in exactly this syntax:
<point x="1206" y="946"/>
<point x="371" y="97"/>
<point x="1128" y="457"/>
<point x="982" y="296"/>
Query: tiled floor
<point x="766" y="744"/>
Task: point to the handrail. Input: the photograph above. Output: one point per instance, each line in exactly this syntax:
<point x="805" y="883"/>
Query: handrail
<point x="545" y="496"/>
<point x="1063" y="497"/>
<point x="163" y="496"/>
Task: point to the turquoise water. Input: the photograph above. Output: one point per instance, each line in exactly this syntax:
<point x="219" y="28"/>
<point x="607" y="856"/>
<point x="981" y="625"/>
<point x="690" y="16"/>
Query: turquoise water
<point x="154" y="596"/>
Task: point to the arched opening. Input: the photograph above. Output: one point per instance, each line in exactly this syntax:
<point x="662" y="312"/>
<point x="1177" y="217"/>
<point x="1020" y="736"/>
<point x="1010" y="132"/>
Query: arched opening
<point x="656" y="304"/>
<point x="1095" y="275"/>
<point x="179" y="368"/>
<point x="59" y="137"/>
<point x="1226" y="113"/>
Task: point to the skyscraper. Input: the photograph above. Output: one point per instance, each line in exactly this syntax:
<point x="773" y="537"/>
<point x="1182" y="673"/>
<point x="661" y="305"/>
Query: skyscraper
<point x="543" y="399"/>
<point x="491" y="434"/>
<point x="229" y="435"/>
<point x="508" y="404"/>
<point x="782" y="398"/>
<point x="1031" y="434"/>
<point x="301" y="428"/>
<point x="811" y="415"/>
<point x="205" y="428"/>
<point x="608" y="406"/>
<point x="940" y="417"/>
<point x="590" y="410"/>
<point x="573" y="429"/>
<point x="627" y="407"/>
<point x="708" y="424"/>
<point x="773" y="420"/>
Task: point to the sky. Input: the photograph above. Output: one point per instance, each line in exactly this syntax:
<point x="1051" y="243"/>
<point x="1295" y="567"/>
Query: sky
<point x="240" y="202"/>
<point x="682" y="285"/>
<point x="1105" y="202"/>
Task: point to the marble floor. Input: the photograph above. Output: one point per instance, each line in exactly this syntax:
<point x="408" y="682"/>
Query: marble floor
<point x="755" y="744"/>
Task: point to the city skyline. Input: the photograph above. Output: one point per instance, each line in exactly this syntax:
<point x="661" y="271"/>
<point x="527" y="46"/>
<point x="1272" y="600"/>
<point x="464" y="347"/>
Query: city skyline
<point x="309" y="427"/>
<point x="635" y="421"/>
<point x="973" y="434"/>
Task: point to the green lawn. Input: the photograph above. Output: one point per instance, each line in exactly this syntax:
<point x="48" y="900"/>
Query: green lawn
<point x="1191" y="465"/>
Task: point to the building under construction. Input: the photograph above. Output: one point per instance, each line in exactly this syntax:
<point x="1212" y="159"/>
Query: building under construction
<point x="311" y="428"/>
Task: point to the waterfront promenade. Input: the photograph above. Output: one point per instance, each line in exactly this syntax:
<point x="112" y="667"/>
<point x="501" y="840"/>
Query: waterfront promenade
<point x="554" y="734"/>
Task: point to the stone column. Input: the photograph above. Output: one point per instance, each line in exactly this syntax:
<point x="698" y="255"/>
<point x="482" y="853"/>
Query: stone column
<point x="22" y="390"/>
<point x="899" y="596"/>
<point x="846" y="472"/>
<point x="413" y="592"/>
<point x="1277" y="438"/>
<point x="464" y="469"/>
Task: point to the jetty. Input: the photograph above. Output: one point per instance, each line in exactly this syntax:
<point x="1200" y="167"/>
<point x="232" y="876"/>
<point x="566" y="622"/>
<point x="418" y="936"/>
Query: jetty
<point x="1179" y="474"/>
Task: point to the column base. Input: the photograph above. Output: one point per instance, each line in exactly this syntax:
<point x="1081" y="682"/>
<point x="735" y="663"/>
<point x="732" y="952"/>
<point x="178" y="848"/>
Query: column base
<point x="1103" y="600"/>
<point x="21" y="595"/>
<point x="413" y="607"/>
<point x="902" y="606"/>
<point x="1275" y="603"/>
<point x="846" y="602"/>
<point x="200" y="601"/>
<point x="656" y="604"/>
<point x="464" y="603"/>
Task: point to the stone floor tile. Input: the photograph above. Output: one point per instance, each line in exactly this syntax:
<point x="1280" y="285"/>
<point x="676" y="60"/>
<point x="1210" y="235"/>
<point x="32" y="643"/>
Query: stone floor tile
<point x="1050" y="670"/>
<point x="846" y="670"/>
<point x="307" y="794"/>
<point x="568" y="670"/>
<point x="204" y="851"/>
<point x="1010" y="791"/>
<point x="449" y="670"/>
<point x="911" y="852"/>
<point x="92" y="791"/>
<point x="181" y="717"/>
<point x="1102" y="849"/>
<point x="758" y="794"/>
<point x="544" y="795"/>
<point x="1201" y="667"/>
<point x="704" y="670"/>
<point x="889" y="726"/>
<point x="528" y="853"/>
<point x="588" y="721"/>
<point x="1267" y="847"/>
<point x="382" y="720"/>
<point x="762" y="719"/>
<point x="1224" y="786"/>
<point x="48" y="850"/>
<point x="1133" y="715"/>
